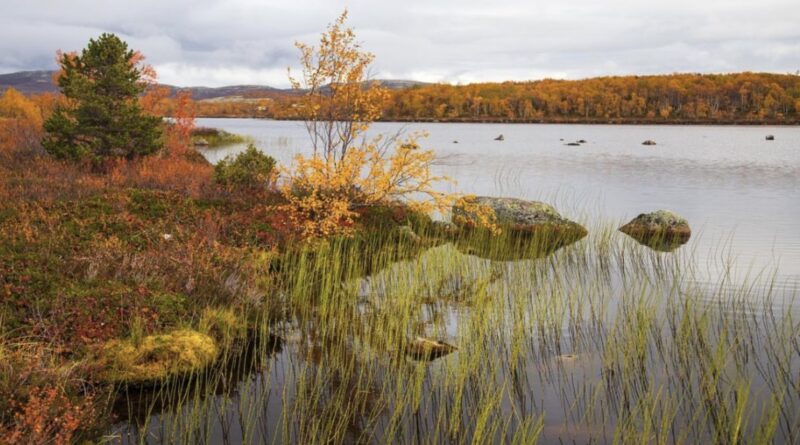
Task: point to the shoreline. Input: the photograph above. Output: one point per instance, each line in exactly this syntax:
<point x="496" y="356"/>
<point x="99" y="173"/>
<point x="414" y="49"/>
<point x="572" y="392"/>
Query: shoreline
<point x="616" y="122"/>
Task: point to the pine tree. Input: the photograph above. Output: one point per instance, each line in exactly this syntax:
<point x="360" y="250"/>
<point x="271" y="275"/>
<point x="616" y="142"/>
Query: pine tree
<point x="103" y="117"/>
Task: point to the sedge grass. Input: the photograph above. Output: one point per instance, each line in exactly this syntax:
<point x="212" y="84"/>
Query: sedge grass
<point x="601" y="341"/>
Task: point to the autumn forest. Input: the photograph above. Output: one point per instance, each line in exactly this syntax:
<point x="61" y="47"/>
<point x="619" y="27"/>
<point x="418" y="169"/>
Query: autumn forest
<point x="741" y="98"/>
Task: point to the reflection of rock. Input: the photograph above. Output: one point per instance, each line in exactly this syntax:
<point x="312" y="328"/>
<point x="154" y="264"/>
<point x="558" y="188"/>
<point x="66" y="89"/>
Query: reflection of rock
<point x="500" y="138"/>
<point x="530" y="229"/>
<point x="661" y="230"/>
<point x="649" y="142"/>
<point x="426" y="349"/>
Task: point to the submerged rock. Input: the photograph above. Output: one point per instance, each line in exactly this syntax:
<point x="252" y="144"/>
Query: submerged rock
<point x="649" y="142"/>
<point x="661" y="230"/>
<point x="427" y="349"/>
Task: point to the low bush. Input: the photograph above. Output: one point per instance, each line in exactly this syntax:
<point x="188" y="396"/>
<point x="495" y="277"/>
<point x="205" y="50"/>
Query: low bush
<point x="249" y="169"/>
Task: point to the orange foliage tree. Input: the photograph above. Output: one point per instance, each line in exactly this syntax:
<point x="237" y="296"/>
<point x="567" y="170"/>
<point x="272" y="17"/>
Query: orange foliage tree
<point x="20" y="122"/>
<point x="346" y="170"/>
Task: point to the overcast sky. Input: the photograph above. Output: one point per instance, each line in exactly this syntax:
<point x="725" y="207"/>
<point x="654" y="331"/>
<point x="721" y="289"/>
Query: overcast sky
<point x="215" y="42"/>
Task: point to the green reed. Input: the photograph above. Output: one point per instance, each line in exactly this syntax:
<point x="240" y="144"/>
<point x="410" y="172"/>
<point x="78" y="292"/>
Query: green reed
<point x="602" y="341"/>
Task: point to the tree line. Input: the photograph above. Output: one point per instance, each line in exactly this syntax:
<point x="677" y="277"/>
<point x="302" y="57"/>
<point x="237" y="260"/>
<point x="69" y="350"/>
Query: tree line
<point x="676" y="98"/>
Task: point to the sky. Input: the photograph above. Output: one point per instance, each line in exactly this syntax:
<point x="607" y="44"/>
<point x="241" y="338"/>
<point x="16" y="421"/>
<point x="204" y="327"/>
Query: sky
<point x="226" y="42"/>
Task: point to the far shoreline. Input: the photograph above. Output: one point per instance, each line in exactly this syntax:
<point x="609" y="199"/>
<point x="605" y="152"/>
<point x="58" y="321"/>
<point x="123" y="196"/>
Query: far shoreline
<point x="619" y="122"/>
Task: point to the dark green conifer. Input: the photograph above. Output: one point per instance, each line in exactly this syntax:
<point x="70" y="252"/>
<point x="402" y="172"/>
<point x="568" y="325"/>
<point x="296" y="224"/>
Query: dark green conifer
<point x="102" y="117"/>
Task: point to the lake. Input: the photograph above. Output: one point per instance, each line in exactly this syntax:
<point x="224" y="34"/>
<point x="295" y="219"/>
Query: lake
<point x="601" y="341"/>
<point x="739" y="192"/>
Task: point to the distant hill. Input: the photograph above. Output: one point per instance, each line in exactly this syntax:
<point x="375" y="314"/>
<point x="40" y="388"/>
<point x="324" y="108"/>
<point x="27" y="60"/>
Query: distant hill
<point x="29" y="82"/>
<point x="37" y="82"/>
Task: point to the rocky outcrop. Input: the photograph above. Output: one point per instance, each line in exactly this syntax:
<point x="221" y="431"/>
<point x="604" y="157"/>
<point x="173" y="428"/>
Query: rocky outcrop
<point x="661" y="230"/>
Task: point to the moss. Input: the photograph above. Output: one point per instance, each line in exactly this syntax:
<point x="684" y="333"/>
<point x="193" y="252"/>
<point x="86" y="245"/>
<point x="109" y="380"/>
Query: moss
<point x="223" y="325"/>
<point x="156" y="357"/>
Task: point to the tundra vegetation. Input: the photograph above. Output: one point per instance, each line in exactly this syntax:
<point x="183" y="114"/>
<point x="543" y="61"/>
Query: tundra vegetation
<point x="162" y="299"/>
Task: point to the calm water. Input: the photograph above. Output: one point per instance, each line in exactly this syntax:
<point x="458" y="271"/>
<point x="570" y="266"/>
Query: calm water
<point x="740" y="192"/>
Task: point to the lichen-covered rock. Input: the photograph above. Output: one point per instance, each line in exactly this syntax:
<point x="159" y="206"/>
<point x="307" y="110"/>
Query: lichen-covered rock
<point x="529" y="230"/>
<point x="661" y="230"/>
<point x="156" y="357"/>
<point x="517" y="214"/>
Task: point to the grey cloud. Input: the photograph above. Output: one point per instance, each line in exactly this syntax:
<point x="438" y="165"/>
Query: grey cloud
<point x="214" y="42"/>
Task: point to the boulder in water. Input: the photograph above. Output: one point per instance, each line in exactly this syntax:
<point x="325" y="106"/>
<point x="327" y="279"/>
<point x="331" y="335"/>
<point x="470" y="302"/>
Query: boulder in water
<point x="770" y="137"/>
<point x="649" y="142"/>
<point x="661" y="230"/>
<point x="529" y="229"/>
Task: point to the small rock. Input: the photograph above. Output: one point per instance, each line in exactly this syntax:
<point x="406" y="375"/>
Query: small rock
<point x="500" y="138"/>
<point x="455" y="142"/>
<point x="167" y="236"/>
<point x="770" y="137"/>
<point x="649" y="142"/>
<point x="582" y="141"/>
<point x="200" y="142"/>
<point x="573" y="144"/>
<point x="427" y="349"/>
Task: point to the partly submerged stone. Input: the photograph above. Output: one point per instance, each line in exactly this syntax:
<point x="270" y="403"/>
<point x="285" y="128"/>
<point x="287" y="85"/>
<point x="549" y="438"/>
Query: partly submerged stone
<point x="426" y="349"/>
<point x="661" y="230"/>
<point x="156" y="357"/>
<point x="513" y="213"/>
<point x="529" y="229"/>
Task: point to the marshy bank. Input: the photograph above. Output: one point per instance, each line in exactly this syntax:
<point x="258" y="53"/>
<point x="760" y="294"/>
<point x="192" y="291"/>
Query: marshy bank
<point x="600" y="338"/>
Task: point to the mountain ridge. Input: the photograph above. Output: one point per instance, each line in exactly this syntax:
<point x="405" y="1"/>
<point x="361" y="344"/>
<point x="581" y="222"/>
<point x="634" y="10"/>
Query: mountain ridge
<point x="41" y="81"/>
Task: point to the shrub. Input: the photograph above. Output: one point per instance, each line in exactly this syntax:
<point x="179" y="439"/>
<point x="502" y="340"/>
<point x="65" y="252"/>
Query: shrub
<point x="248" y="169"/>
